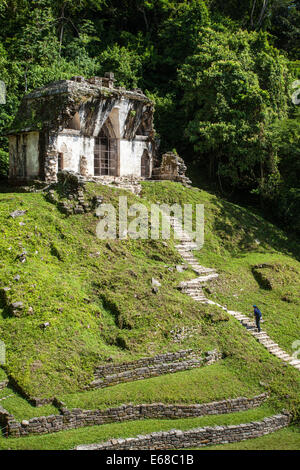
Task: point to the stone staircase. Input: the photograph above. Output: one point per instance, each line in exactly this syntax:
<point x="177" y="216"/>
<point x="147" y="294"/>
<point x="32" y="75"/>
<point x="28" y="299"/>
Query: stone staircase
<point x="194" y="289"/>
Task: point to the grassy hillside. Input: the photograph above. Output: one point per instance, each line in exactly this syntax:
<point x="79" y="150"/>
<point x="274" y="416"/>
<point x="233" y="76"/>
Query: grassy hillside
<point x="98" y="299"/>
<point x="257" y="262"/>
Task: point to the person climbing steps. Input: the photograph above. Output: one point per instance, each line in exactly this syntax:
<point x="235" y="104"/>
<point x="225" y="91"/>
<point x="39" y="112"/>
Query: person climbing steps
<point x="258" y="316"/>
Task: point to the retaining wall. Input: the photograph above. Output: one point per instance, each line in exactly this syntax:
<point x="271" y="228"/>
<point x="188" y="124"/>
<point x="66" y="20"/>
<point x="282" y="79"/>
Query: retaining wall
<point x="199" y="437"/>
<point x="107" y="369"/>
<point x="113" y="374"/>
<point x="76" y="418"/>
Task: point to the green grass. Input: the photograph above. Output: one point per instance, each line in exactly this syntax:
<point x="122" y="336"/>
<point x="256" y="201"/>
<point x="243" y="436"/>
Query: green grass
<point x="21" y="408"/>
<point x="238" y="289"/>
<point x="93" y="434"/>
<point x="211" y="383"/>
<point x="98" y="299"/>
<point x="3" y="375"/>
<point x="88" y="289"/>
<point x="248" y="369"/>
<point x="237" y="240"/>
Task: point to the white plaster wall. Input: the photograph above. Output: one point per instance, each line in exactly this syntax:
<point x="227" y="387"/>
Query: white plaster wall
<point x="72" y="146"/>
<point x="124" y="107"/>
<point x="130" y="157"/>
<point x="32" y="154"/>
<point x="88" y="144"/>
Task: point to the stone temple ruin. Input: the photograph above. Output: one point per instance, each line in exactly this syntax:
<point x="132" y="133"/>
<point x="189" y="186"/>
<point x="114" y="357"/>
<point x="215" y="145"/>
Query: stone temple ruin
<point x="172" y="168"/>
<point x="86" y="126"/>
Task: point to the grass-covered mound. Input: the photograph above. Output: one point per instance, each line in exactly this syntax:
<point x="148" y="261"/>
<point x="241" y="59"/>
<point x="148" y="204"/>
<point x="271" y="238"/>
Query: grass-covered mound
<point x="98" y="299"/>
<point x="257" y="262"/>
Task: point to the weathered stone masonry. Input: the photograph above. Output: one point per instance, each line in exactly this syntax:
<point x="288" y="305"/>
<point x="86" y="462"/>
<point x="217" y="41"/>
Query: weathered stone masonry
<point x="151" y="367"/>
<point x="112" y="374"/>
<point x="199" y="437"/>
<point x="76" y="418"/>
<point x="89" y="126"/>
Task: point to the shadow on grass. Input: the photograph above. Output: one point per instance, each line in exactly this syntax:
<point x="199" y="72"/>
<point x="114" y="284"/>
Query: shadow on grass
<point x="248" y="229"/>
<point x="6" y="188"/>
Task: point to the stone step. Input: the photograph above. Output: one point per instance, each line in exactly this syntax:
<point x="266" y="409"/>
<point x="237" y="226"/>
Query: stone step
<point x="283" y="356"/>
<point x="196" y="292"/>
<point x="266" y="341"/>
<point x="193" y="292"/>
<point x="262" y="338"/>
<point x="284" y="359"/>
<point x="208" y="277"/>
<point x="262" y="335"/>
<point x="192" y="288"/>
<point x="187" y="245"/>
<point x="269" y="345"/>
<point x="295" y="362"/>
<point x="200" y="271"/>
<point x="277" y="353"/>
<point x="274" y="349"/>
<point x="233" y="313"/>
<point x="205" y="270"/>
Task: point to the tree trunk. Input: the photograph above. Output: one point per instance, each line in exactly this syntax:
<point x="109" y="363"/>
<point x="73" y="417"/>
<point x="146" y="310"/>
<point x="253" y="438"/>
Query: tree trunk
<point x="262" y="13"/>
<point x="26" y="82"/>
<point x="252" y="14"/>
<point x="61" y="36"/>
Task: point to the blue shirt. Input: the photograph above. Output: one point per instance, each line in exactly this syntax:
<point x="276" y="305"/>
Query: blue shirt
<point x="257" y="312"/>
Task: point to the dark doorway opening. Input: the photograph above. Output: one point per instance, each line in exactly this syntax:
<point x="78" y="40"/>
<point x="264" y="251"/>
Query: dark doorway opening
<point x="105" y="154"/>
<point x="145" y="165"/>
<point x="60" y="162"/>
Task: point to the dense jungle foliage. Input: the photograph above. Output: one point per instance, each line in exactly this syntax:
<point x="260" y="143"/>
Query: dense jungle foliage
<point x="223" y="76"/>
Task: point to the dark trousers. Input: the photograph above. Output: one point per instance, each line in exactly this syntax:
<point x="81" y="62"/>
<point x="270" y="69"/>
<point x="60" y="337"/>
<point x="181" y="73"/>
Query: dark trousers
<point x="257" y="319"/>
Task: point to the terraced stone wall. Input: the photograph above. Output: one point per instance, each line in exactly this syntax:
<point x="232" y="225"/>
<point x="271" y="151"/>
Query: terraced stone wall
<point x="76" y="418"/>
<point x="195" y="437"/>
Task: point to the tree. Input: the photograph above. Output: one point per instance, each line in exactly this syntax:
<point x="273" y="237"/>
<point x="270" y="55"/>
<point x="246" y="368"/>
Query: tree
<point x="235" y="86"/>
<point x="285" y="26"/>
<point x="125" y="63"/>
